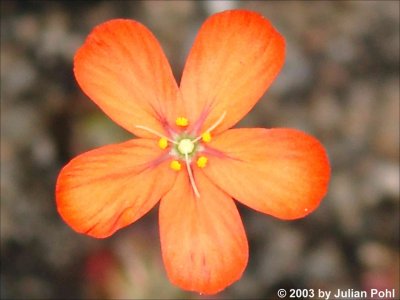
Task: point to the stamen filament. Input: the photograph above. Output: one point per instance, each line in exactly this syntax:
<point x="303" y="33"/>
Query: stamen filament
<point x="212" y="127"/>
<point x="191" y="178"/>
<point x="156" y="133"/>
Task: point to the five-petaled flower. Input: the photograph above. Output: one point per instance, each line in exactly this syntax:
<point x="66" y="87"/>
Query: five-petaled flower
<point x="186" y="156"/>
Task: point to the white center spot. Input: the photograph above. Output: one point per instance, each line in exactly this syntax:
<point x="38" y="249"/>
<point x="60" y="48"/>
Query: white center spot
<point x="186" y="146"/>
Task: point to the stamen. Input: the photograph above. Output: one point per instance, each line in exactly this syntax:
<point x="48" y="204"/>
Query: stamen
<point x="202" y="161"/>
<point x="191" y="178"/>
<point x="181" y="121"/>
<point x="163" y="143"/>
<point x="206" y="137"/>
<point x="212" y="127"/>
<point x="175" y="165"/>
<point x="155" y="133"/>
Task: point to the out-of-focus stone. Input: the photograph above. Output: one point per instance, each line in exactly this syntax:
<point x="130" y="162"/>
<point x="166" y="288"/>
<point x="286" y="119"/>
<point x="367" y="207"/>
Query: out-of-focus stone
<point x="374" y="255"/>
<point x="213" y="7"/>
<point x="27" y="30"/>
<point x="282" y="254"/>
<point x="378" y="179"/>
<point x="296" y="72"/>
<point x="386" y="132"/>
<point x="17" y="73"/>
<point x="43" y="151"/>
<point x="327" y="113"/>
<point x="20" y="123"/>
<point x="346" y="202"/>
<point x="325" y="267"/>
<point x="358" y="114"/>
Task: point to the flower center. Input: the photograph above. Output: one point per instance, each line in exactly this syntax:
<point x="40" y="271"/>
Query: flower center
<point x="185" y="146"/>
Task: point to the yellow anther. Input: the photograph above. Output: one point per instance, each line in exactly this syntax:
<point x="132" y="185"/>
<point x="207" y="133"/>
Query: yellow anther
<point x="181" y="121"/>
<point x="186" y="146"/>
<point x="202" y="161"/>
<point x="163" y="143"/>
<point x="175" y="165"/>
<point x="206" y="137"/>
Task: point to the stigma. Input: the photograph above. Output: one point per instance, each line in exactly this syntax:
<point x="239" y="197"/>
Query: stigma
<point x="185" y="146"/>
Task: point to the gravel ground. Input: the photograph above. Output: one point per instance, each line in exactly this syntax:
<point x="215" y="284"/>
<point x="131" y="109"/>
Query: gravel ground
<point x="340" y="83"/>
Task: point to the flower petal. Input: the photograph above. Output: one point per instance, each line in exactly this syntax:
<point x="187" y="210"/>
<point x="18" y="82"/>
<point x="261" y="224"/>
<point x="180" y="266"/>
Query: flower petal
<point x="105" y="189"/>
<point x="123" y="69"/>
<point x="281" y="172"/>
<point x="203" y="241"/>
<point x="234" y="59"/>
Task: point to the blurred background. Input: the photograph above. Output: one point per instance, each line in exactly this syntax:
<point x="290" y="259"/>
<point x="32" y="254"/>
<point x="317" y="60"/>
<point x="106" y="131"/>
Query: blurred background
<point x="340" y="83"/>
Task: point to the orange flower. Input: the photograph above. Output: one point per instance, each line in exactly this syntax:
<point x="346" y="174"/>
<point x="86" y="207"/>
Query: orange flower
<point x="186" y="155"/>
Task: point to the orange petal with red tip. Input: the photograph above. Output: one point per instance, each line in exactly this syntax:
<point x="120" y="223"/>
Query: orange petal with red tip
<point x="234" y="59"/>
<point x="203" y="241"/>
<point x="123" y="69"/>
<point x="108" y="188"/>
<point x="281" y="172"/>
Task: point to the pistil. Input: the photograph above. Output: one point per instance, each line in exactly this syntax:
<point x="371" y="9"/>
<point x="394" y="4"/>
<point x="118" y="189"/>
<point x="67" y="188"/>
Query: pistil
<point x="191" y="177"/>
